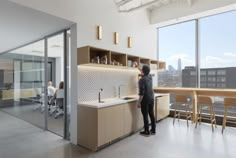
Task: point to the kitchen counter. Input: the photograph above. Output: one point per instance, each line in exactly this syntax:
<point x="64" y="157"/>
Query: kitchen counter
<point x="114" y="101"/>
<point x="100" y="124"/>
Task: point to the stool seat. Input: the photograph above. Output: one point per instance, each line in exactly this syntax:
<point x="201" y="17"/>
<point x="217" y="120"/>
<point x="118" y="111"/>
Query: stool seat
<point x="182" y="100"/>
<point x="205" y="101"/>
<point x="228" y="102"/>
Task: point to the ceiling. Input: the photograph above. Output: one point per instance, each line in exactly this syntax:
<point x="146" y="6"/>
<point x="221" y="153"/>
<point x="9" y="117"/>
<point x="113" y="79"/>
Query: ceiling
<point x="131" y="5"/>
<point x="20" y="25"/>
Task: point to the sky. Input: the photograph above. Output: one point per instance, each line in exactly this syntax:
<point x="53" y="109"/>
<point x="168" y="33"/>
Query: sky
<point x="217" y="42"/>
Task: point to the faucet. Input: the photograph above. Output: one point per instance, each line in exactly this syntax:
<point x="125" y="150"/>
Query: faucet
<point x="99" y="95"/>
<point x="119" y="90"/>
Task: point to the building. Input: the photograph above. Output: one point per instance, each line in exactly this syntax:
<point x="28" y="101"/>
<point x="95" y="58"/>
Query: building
<point x="189" y="76"/>
<point x="179" y="65"/>
<point x="171" y="68"/>
<point x="210" y="77"/>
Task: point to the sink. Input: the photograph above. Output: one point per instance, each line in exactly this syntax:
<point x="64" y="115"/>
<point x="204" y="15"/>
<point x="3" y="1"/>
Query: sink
<point x="127" y="98"/>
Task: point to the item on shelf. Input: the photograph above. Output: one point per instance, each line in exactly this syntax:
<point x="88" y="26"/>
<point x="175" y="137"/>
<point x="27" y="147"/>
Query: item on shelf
<point x="129" y="63"/>
<point x="141" y="64"/>
<point x="114" y="62"/>
<point x="134" y="64"/>
<point x="98" y="60"/>
<point x="153" y="66"/>
<point x="103" y="60"/>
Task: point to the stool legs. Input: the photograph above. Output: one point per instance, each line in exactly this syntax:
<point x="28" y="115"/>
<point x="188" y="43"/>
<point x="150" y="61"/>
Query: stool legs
<point x="177" y="113"/>
<point x="188" y="114"/>
<point x="224" y="119"/>
<point x="210" y="111"/>
<point x="212" y="116"/>
<point x="199" y="115"/>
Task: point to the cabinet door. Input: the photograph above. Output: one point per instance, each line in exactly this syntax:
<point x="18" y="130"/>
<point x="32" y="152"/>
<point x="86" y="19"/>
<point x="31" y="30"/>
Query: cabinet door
<point x="110" y="124"/>
<point x="116" y="122"/>
<point x="133" y="118"/>
<point x="128" y="118"/>
<point x="104" y="125"/>
<point x="162" y="109"/>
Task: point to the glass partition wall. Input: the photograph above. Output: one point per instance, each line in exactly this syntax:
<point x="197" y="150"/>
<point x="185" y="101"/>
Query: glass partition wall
<point x="22" y="89"/>
<point x="33" y="80"/>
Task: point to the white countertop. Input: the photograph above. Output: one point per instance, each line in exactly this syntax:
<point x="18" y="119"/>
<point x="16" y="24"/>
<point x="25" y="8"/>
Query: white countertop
<point x="113" y="101"/>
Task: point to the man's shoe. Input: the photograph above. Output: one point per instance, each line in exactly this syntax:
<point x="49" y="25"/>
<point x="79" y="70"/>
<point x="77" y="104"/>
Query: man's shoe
<point x="153" y="132"/>
<point x="145" y="133"/>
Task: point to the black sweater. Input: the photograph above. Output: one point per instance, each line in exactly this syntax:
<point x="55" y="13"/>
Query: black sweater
<point x="145" y="89"/>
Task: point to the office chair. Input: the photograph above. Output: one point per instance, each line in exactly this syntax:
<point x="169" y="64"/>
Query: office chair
<point x="59" y="103"/>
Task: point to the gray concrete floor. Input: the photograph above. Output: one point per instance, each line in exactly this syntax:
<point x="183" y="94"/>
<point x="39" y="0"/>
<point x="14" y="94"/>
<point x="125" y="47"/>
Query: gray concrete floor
<point x="36" y="117"/>
<point x="19" y="139"/>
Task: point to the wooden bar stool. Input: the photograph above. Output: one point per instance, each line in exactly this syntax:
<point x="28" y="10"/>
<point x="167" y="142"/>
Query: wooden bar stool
<point x="205" y="101"/>
<point x="181" y="100"/>
<point x="228" y="102"/>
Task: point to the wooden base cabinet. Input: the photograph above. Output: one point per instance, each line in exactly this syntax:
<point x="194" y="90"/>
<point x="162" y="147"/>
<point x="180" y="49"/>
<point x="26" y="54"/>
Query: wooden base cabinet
<point x="110" y="124"/>
<point x="98" y="127"/>
<point x="133" y="119"/>
<point x="162" y="108"/>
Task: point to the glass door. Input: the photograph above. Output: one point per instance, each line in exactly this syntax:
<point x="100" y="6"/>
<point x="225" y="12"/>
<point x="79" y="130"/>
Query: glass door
<point x="56" y="84"/>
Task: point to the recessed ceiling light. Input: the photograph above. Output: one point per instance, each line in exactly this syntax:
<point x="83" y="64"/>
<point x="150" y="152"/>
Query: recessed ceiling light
<point x="55" y="46"/>
<point x="37" y="51"/>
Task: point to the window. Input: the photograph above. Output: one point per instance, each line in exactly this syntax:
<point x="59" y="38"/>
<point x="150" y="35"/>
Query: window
<point x="180" y="57"/>
<point x="218" y="52"/>
<point x="202" y="72"/>
<point x="221" y="79"/>
<point x="217" y="48"/>
<point x="203" y="79"/>
<point x="193" y="73"/>
<point x="221" y="72"/>
<point x="211" y="72"/>
<point x="178" y="52"/>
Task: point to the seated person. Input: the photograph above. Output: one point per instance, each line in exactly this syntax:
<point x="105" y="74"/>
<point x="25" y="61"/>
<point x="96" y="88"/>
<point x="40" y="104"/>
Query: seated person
<point x="51" y="92"/>
<point x="59" y="96"/>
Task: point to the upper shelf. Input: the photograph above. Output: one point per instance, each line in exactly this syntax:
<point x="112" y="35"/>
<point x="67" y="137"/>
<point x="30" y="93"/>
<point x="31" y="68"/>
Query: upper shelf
<point x="93" y="56"/>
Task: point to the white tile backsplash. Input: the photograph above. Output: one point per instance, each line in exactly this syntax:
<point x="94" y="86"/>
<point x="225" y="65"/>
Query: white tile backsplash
<point x="91" y="79"/>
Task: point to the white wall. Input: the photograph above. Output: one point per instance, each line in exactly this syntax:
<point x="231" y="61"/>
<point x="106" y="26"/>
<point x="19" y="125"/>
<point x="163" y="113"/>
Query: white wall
<point x="91" y="79"/>
<point x="180" y="11"/>
<point x="20" y="25"/>
<point x="89" y="13"/>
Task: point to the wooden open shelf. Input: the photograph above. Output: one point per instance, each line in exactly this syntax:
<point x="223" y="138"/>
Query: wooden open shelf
<point x="98" y="53"/>
<point x="118" y="59"/>
<point x="161" y="65"/>
<point x="154" y="62"/>
<point x="131" y="59"/>
<point x="92" y="56"/>
<point x="144" y="61"/>
<point x="88" y="55"/>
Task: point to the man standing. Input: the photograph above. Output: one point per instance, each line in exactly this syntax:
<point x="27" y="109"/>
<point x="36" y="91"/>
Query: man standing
<point x="146" y="101"/>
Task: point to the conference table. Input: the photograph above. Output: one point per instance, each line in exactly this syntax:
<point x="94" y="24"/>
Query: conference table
<point x="194" y="92"/>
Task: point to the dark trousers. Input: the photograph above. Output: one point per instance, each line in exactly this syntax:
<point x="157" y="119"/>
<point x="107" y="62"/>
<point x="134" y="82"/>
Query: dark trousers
<point x="147" y="109"/>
